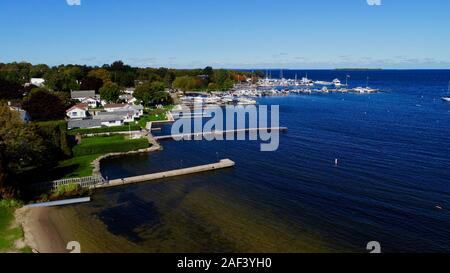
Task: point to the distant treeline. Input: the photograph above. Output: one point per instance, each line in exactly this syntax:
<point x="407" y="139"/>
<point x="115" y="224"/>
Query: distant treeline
<point x="81" y="77"/>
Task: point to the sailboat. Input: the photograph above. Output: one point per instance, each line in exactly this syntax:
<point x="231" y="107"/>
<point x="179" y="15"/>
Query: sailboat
<point x="447" y="97"/>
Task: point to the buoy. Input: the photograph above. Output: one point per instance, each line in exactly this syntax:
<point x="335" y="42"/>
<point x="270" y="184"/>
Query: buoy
<point x="336" y="162"/>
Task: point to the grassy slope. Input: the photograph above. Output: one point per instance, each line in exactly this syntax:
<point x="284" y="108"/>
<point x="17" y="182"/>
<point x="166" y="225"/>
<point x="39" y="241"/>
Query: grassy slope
<point x="9" y="234"/>
<point x="154" y="115"/>
<point x="81" y="166"/>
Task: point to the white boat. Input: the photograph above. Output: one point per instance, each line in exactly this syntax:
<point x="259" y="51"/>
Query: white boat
<point x="365" y="90"/>
<point x="245" y="101"/>
<point x="337" y="83"/>
<point x="447" y="99"/>
<point x="323" y="83"/>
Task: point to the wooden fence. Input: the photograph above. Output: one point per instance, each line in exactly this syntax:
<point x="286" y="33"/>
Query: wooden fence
<point x="85" y="182"/>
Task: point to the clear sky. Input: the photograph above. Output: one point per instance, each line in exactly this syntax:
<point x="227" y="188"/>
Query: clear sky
<point x="228" y="33"/>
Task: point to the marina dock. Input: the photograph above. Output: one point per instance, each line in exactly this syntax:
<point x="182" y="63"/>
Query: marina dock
<point x="245" y="130"/>
<point x="222" y="164"/>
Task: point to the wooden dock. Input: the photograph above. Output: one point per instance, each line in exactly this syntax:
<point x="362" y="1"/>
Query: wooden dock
<point x="203" y="134"/>
<point x="222" y="164"/>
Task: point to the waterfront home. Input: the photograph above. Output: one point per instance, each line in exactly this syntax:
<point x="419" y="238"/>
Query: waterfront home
<point x="83" y="123"/>
<point x="125" y="115"/>
<point x="81" y="95"/>
<point x="138" y="109"/>
<point x="78" y="111"/>
<point x="115" y="107"/>
<point x="128" y="98"/>
<point x="109" y="119"/>
<point x="91" y="102"/>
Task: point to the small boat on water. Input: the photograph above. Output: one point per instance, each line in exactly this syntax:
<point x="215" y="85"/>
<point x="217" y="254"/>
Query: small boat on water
<point x="337" y="83"/>
<point x="364" y="90"/>
<point x="322" y="83"/>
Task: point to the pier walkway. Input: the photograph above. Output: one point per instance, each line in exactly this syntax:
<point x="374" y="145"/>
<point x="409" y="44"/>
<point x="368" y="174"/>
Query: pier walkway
<point x="245" y="130"/>
<point x="222" y="164"/>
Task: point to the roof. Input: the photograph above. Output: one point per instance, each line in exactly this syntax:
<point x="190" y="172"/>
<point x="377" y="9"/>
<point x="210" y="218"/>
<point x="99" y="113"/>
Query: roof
<point x="110" y="117"/>
<point x="82" y="94"/>
<point x="115" y="105"/>
<point x="137" y="107"/>
<point x="81" y="106"/>
<point x="117" y="113"/>
<point x="84" y="123"/>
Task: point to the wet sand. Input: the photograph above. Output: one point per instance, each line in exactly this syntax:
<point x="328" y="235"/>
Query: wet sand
<point x="40" y="231"/>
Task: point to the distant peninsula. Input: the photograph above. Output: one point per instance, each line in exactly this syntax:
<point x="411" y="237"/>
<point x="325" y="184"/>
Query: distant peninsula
<point x="364" y="69"/>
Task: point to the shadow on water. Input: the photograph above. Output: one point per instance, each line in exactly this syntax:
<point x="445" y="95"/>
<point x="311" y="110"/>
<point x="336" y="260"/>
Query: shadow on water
<point x="135" y="214"/>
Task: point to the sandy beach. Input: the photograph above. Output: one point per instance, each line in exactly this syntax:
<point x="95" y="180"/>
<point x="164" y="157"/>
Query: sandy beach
<point x="39" y="231"/>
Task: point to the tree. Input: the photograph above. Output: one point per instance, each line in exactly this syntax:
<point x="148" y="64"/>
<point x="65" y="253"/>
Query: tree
<point x="61" y="80"/>
<point x="91" y="83"/>
<point x="38" y="71"/>
<point x="151" y="93"/>
<point x="110" y="92"/>
<point x="188" y="83"/>
<point x="100" y="73"/>
<point x="20" y="145"/>
<point x="9" y="90"/>
<point x="209" y="71"/>
<point x="43" y="105"/>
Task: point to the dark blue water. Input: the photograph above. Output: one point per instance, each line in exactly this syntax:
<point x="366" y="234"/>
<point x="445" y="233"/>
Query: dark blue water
<point x="394" y="169"/>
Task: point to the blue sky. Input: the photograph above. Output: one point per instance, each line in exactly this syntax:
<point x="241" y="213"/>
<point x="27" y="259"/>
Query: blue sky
<point x="228" y="33"/>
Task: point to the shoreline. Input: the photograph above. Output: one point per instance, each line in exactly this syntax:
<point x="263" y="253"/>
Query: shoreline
<point x="40" y="233"/>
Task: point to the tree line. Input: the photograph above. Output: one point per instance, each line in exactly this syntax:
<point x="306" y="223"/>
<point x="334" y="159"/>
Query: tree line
<point x="108" y="81"/>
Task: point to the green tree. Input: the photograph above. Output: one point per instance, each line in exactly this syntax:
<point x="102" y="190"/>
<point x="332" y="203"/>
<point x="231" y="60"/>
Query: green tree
<point x="100" y="73"/>
<point x="61" y="80"/>
<point x="20" y="145"/>
<point x="151" y="93"/>
<point x="188" y="83"/>
<point x="43" y="105"/>
<point x="110" y="92"/>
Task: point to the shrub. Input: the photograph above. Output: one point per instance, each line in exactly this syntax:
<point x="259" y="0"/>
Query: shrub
<point x="64" y="191"/>
<point x="55" y="134"/>
<point x="10" y="203"/>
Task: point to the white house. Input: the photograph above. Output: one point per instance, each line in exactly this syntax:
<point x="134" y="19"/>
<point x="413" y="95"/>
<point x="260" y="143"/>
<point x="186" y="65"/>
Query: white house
<point x="109" y="120"/>
<point x="91" y="102"/>
<point x="39" y="82"/>
<point x="82" y="95"/>
<point x="78" y="111"/>
<point x="129" y="90"/>
<point x="115" y="107"/>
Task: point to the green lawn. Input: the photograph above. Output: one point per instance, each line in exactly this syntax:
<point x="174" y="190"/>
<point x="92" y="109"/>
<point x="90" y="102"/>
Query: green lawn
<point x="8" y="234"/>
<point x="154" y="114"/>
<point x="101" y="139"/>
<point x="124" y="128"/>
<point x="76" y="167"/>
<point x="91" y="148"/>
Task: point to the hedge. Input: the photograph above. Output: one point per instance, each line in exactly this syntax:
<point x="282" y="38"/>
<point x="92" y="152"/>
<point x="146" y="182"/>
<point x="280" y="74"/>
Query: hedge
<point x="111" y="147"/>
<point x="55" y="134"/>
<point x="124" y="128"/>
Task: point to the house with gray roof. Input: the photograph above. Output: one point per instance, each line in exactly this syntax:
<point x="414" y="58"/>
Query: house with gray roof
<point x="83" y="124"/>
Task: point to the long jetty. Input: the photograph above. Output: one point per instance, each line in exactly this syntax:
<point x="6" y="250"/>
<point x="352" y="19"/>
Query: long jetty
<point x="219" y="132"/>
<point x="222" y="164"/>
